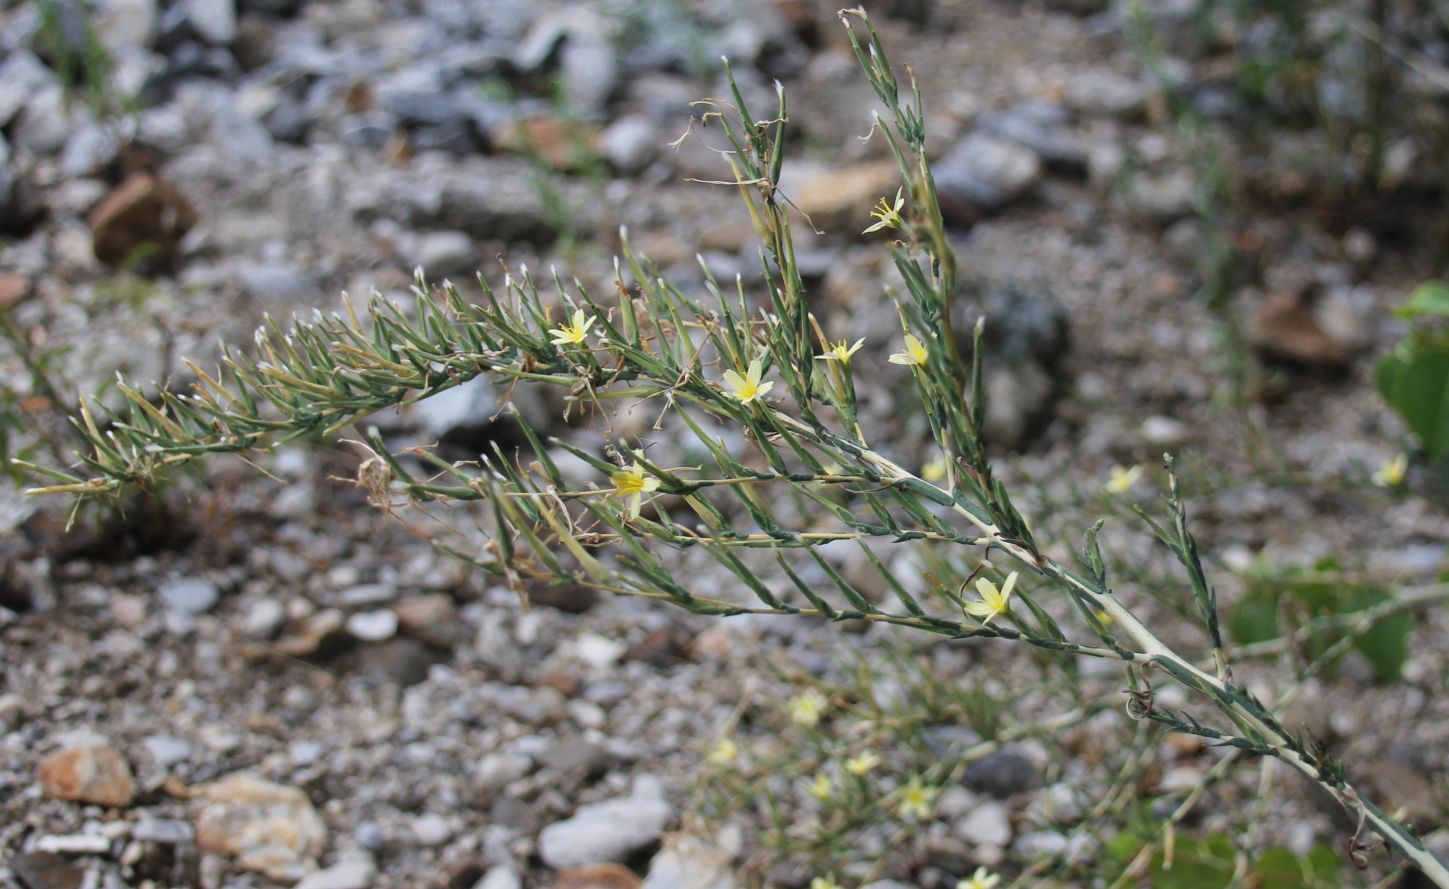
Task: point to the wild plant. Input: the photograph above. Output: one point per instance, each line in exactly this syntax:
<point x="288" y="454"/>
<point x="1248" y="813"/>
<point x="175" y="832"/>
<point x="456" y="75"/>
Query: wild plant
<point x="759" y="466"/>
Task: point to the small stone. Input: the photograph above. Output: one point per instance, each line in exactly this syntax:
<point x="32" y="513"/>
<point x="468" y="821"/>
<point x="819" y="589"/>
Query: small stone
<point x="12" y="711"/>
<point x="1103" y="91"/>
<point x="319" y="632"/>
<point x="402" y="660"/>
<point x="356" y="873"/>
<point x="373" y="626"/>
<point x="93" y="774"/>
<point x="984" y="173"/>
<point x="369" y="836"/>
<point x="688" y="862"/>
<point x="445" y="254"/>
<point x="46" y="870"/>
<point x="840" y="200"/>
<point x="561" y="143"/>
<point x="190" y="595"/>
<point x="1164" y="431"/>
<point x="1004" y="773"/>
<point x="599" y="652"/>
<point x="604" y="831"/>
<point x="986" y="825"/>
<point x="577" y="757"/>
<point x="432" y="829"/>
<point x="166" y="831"/>
<point x="568" y="599"/>
<point x="496" y="770"/>
<point x="1161" y="198"/>
<point x="500" y="876"/>
<point x="74" y="844"/>
<point x="276" y="281"/>
<point x="214" y="20"/>
<point x="264" y="619"/>
<point x="432" y="618"/>
<point x="143" y="212"/>
<point x="597" y="876"/>
<point x="1286" y="329"/>
<point x="167" y="751"/>
<point x="266" y="827"/>
<point x="630" y="143"/>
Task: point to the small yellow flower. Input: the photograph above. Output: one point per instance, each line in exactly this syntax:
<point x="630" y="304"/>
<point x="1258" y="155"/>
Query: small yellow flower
<point x="935" y="471"/>
<point x="821" y="787"/>
<point x="914" y="355"/>
<point x="631" y="484"/>
<point x="747" y="388"/>
<point x="917" y="800"/>
<point x="859" y="765"/>
<point x="889" y="216"/>
<point x="1122" y="479"/>
<point x="824" y="883"/>
<point x="723" y="752"/>
<point x="993" y="602"/>
<point x="806" y="708"/>
<point x="840" y="352"/>
<point x="574" y="333"/>
<point x="1393" y="472"/>
<point x="982" y="879"/>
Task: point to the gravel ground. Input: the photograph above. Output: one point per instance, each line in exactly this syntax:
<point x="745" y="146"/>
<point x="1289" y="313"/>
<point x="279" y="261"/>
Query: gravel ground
<point x="251" y="680"/>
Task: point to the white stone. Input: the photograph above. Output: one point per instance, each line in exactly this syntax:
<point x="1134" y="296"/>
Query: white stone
<point x="987" y="825"/>
<point x="373" y="626"/>
<point x="355" y="873"/>
<point x="604" y="831"/>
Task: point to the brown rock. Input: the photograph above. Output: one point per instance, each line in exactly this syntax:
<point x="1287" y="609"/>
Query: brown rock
<point x="319" y="634"/>
<point x="92" y="774"/>
<point x="561" y="143"/>
<point x="568" y="599"/>
<point x="597" y="876"/>
<point x="841" y="199"/>
<point x="13" y="290"/>
<point x="143" y="215"/>
<point x="1286" y="328"/>
<point x="659" y="648"/>
<point x="268" y="828"/>
<point x="1398" y="787"/>
<point x="431" y="618"/>
<point x="46" y="870"/>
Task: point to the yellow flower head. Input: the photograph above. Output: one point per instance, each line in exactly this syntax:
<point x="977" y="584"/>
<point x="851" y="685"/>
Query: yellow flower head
<point x="935" y="470"/>
<point x="982" y="879"/>
<point x="889" y="216"/>
<point x="914" y="355"/>
<point x="1393" y="472"/>
<point x="840" y="352"/>
<point x="806" y="708"/>
<point x="821" y="787"/>
<point x="631" y="484"/>
<point x="574" y="333"/>
<point x="993" y="602"/>
<point x="747" y="388"/>
<point x="859" y="765"/>
<point x="824" y="883"/>
<point x="916" y="799"/>
<point x="723" y="752"/>
<point x="1122" y="479"/>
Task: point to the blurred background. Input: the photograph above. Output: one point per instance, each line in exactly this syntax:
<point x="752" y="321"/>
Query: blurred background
<point x="1212" y="227"/>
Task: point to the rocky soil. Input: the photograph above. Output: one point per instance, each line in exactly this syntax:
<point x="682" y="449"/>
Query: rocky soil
<point x="252" y="680"/>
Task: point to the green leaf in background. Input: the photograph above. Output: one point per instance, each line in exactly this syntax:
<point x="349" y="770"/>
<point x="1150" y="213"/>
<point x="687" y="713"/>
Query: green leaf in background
<point x="1313" y="594"/>
<point x="1414" y="380"/>
<point x="1430" y="298"/>
<point x="1210" y="864"/>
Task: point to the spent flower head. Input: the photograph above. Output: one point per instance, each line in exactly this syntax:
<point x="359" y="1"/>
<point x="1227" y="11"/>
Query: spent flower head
<point x="573" y="333"/>
<point x="747" y="388"/>
<point x="805" y="708"/>
<point x="1122" y="479"/>
<point x="994" y="602"/>
<point x="630" y="485"/>
<point x="889" y="215"/>
<point x="865" y="762"/>
<point x="840" y="351"/>
<point x="982" y="879"/>
<point x="1393" y="472"/>
<point x="915" y="354"/>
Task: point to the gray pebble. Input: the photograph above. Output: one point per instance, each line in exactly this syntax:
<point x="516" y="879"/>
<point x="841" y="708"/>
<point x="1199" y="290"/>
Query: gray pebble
<point x="190" y="595"/>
